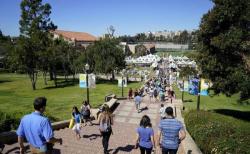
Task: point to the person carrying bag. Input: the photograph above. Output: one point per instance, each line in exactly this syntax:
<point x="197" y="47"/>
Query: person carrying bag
<point x="105" y="121"/>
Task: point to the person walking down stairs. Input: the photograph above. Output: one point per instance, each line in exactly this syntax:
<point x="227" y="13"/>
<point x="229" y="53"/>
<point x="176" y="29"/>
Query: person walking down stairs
<point x="37" y="130"/>
<point x="105" y="121"/>
<point x="171" y="133"/>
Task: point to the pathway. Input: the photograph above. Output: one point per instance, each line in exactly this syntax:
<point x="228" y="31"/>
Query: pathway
<point x="122" y="141"/>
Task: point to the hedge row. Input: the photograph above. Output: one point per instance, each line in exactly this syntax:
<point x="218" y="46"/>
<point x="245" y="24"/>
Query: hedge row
<point x="218" y="134"/>
<point x="8" y="122"/>
<point x="11" y="121"/>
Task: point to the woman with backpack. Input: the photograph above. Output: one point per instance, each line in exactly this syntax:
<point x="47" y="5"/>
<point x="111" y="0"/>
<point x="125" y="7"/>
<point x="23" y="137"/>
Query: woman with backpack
<point x="85" y="111"/>
<point x="105" y="120"/>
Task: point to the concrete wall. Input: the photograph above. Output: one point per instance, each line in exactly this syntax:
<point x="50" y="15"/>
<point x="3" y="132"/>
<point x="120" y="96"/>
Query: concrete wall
<point x="171" y="46"/>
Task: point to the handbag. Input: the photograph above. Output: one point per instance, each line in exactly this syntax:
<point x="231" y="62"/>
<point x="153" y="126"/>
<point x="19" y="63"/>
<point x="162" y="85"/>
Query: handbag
<point x="71" y="123"/>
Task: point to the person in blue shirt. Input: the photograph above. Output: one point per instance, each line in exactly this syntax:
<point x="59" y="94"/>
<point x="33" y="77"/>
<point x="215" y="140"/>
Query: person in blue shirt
<point x="77" y="117"/>
<point x="172" y="133"/>
<point x="138" y="100"/>
<point x="37" y="130"/>
<point x="145" y="136"/>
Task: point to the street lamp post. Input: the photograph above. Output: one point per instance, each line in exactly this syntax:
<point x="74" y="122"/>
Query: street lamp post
<point x="87" y="82"/>
<point x="182" y="94"/>
<point x="199" y="91"/>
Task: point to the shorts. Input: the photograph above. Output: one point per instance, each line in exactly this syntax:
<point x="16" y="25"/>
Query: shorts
<point x="86" y="116"/>
<point x="46" y="148"/>
<point x="77" y="128"/>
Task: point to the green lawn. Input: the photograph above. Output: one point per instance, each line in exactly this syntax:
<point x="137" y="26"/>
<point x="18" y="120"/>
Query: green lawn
<point x="211" y="103"/>
<point x="224" y="125"/>
<point x="16" y="95"/>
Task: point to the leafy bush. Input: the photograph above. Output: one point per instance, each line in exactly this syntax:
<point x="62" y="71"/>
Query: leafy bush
<point x="11" y="121"/>
<point x="8" y="122"/>
<point x="215" y="133"/>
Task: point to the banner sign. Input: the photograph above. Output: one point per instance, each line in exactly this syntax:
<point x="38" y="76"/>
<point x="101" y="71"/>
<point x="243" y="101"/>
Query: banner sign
<point x="183" y="87"/>
<point x="91" y="78"/>
<point x="204" y="87"/>
<point x="186" y="86"/>
<point x="124" y="81"/>
<point x="193" y="86"/>
<point x="83" y="81"/>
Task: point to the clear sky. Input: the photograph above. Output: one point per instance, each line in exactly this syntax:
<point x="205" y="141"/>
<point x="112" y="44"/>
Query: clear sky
<point x="127" y="16"/>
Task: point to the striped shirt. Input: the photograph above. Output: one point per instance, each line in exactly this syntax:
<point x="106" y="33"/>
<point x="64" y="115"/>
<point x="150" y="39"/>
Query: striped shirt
<point x="170" y="133"/>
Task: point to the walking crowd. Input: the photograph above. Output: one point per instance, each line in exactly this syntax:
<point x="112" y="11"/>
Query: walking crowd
<point x="37" y="129"/>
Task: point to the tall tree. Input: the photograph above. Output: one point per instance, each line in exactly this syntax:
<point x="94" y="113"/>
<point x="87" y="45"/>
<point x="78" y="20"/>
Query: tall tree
<point x="35" y="25"/>
<point x="140" y="50"/>
<point x="185" y="72"/>
<point x="151" y="37"/>
<point x="224" y="46"/>
<point x="184" y="37"/>
<point x="105" y="56"/>
<point x="140" y="37"/>
<point x="111" y="30"/>
<point x="6" y="46"/>
<point x="59" y="59"/>
<point x="127" y="51"/>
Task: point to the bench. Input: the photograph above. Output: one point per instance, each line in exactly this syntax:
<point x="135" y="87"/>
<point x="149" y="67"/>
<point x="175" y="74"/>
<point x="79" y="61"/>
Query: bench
<point x="109" y="97"/>
<point x="111" y="102"/>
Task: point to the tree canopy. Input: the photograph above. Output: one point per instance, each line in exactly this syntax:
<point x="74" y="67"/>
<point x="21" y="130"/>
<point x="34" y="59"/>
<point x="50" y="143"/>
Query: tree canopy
<point x="187" y="71"/>
<point x="140" y="50"/>
<point x="35" y="27"/>
<point x="105" y="56"/>
<point x="224" y="44"/>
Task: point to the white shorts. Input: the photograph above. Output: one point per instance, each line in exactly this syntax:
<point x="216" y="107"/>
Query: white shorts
<point x="77" y="128"/>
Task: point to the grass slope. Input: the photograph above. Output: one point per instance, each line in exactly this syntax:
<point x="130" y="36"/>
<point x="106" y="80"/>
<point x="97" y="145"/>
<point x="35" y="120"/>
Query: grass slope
<point x="222" y="125"/>
<point x="16" y="95"/>
<point x="212" y="103"/>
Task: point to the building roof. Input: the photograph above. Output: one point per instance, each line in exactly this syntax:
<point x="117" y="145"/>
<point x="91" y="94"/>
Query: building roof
<point x="76" y="36"/>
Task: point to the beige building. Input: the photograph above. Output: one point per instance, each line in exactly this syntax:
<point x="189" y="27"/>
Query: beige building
<point x="149" y="46"/>
<point x="76" y="38"/>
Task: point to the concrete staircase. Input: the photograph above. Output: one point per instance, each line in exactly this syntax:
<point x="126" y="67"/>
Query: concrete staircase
<point x="122" y="141"/>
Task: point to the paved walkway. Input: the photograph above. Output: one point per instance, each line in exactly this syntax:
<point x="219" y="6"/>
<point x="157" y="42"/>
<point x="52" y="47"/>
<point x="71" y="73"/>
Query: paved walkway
<point x="126" y="121"/>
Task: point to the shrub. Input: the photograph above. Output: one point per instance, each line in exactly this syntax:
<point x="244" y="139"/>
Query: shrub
<point x="5" y="122"/>
<point x="215" y="133"/>
<point x="11" y="121"/>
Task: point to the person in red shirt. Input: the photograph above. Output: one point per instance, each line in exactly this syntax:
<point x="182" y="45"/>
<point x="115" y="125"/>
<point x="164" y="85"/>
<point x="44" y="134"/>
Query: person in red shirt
<point x="130" y="94"/>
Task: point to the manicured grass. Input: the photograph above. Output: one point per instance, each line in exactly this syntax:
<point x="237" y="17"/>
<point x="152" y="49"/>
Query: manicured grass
<point x="16" y="95"/>
<point x="224" y="125"/>
<point x="216" y="133"/>
<point x="212" y="103"/>
<point x="221" y="125"/>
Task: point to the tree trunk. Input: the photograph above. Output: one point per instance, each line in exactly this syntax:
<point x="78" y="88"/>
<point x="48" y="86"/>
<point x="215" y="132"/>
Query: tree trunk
<point x="74" y="77"/>
<point x="45" y="77"/>
<point x="182" y="95"/>
<point x="65" y="72"/>
<point x="33" y="78"/>
<point x="113" y="76"/>
<point x="51" y="74"/>
<point x="54" y="76"/>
